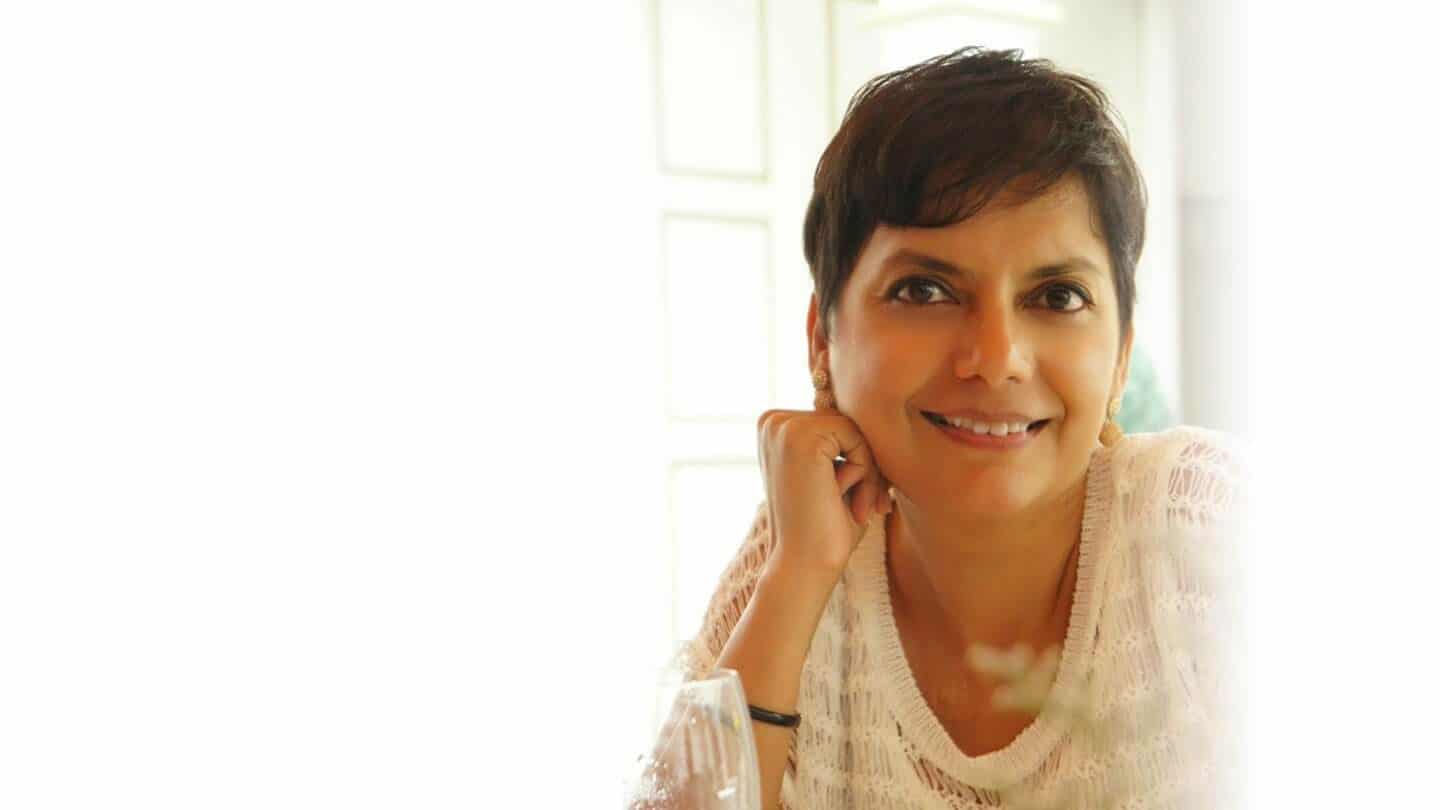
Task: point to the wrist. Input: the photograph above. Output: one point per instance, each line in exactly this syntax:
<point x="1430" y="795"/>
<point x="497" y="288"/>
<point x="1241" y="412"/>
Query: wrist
<point x="800" y="578"/>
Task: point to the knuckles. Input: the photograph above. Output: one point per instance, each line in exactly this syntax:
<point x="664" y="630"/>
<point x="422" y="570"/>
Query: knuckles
<point x="775" y="427"/>
<point x="791" y="436"/>
<point x="792" y="430"/>
<point x="764" y="421"/>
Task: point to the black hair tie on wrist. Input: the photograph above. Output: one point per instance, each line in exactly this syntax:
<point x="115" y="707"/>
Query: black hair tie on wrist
<point x="774" y="718"/>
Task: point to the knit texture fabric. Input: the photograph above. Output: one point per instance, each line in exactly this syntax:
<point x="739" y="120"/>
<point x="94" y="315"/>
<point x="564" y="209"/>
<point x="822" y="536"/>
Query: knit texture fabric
<point x="1138" y="714"/>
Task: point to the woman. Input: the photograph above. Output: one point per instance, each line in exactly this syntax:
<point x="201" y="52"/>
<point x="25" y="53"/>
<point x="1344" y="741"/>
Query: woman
<point x="973" y="237"/>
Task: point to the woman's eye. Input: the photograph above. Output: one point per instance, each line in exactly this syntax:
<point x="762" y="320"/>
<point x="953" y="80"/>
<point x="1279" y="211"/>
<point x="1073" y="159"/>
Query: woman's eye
<point x="923" y="291"/>
<point x="1062" y="298"/>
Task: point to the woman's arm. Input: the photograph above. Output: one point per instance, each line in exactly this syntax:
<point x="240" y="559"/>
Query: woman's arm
<point x="823" y="488"/>
<point x="768" y="649"/>
<point x="760" y="622"/>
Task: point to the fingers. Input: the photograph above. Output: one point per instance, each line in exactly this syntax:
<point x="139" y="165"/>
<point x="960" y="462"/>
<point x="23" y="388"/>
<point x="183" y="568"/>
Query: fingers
<point x="862" y="505"/>
<point x="867" y="493"/>
<point x="795" y="445"/>
<point x="848" y="475"/>
<point x="871" y="496"/>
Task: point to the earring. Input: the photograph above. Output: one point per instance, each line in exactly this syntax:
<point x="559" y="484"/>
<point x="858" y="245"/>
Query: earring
<point x="1111" y="432"/>
<point x="824" y="398"/>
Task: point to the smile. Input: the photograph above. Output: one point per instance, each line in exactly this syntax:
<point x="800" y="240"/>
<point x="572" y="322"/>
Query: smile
<point x="991" y="435"/>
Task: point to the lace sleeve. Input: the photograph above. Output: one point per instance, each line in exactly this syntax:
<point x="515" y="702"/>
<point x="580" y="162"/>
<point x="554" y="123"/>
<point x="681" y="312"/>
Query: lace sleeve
<point x="1204" y="481"/>
<point x="737" y="585"/>
<point x="1203" y="607"/>
<point x="1184" y="492"/>
<point x="1180" y="481"/>
<point x="1181" y="495"/>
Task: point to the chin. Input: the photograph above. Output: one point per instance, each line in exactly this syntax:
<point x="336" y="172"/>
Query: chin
<point x="983" y="495"/>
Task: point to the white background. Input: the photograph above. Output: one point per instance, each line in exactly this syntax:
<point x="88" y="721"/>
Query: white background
<point x="316" y="322"/>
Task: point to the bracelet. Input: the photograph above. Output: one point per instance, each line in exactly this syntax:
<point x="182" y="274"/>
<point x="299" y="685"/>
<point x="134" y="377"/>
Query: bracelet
<point x="774" y="718"/>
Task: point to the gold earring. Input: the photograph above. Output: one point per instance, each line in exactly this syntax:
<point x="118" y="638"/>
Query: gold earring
<point x="824" y="398"/>
<point x="1111" y="432"/>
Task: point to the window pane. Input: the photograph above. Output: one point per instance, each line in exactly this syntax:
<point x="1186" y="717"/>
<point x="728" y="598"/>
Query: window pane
<point x="713" y="508"/>
<point x="712" y="86"/>
<point x="717" y="309"/>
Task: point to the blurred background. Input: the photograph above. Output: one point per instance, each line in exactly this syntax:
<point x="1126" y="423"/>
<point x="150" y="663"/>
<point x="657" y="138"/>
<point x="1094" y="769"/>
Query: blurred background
<point x="378" y="380"/>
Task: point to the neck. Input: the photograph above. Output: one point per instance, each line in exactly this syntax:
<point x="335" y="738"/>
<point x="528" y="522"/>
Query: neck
<point x="995" y="581"/>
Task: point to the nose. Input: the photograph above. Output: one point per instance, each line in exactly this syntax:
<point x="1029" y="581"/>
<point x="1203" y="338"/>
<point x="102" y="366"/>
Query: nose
<point x="996" y="351"/>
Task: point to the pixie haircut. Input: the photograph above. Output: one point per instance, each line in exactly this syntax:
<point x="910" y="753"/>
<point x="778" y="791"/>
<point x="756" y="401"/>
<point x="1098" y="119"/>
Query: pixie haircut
<point x="930" y="145"/>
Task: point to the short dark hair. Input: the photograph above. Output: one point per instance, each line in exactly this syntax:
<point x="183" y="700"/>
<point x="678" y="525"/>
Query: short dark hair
<point x="931" y="144"/>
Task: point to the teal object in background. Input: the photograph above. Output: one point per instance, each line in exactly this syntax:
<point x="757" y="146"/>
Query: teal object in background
<point x="1143" y="408"/>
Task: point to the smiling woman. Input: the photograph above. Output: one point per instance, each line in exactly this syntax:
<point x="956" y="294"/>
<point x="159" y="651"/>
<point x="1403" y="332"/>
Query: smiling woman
<point x="961" y="498"/>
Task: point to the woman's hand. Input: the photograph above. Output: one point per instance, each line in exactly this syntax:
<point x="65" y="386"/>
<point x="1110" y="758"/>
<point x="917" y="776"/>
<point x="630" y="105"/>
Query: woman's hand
<point x="819" y="508"/>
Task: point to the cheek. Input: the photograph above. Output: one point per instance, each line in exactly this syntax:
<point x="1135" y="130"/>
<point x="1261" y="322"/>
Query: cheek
<point x="878" y="373"/>
<point x="1082" y="381"/>
<point x="863" y="384"/>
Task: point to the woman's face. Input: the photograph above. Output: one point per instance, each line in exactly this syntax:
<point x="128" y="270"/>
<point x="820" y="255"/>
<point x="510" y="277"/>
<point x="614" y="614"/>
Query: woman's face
<point x="1007" y="318"/>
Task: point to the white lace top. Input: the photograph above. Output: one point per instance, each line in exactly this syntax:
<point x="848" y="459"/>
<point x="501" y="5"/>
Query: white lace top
<point x="1136" y="715"/>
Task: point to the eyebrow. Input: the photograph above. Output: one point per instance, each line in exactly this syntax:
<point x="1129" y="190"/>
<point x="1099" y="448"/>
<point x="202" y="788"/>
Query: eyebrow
<point x="1073" y="264"/>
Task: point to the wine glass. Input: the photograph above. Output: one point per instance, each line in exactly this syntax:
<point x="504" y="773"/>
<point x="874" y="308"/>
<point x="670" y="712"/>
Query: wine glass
<point x="704" y="755"/>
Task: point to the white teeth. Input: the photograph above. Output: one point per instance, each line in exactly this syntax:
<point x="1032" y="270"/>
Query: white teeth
<point x="998" y="429"/>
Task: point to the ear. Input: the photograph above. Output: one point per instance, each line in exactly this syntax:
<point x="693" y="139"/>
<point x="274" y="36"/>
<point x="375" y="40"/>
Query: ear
<point x="1122" y="365"/>
<point x="815" y="333"/>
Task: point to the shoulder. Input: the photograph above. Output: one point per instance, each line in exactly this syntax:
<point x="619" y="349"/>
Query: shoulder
<point x="1180" y="510"/>
<point x="1184" y="444"/>
<point x="1182" y="496"/>
<point x="1184" y="475"/>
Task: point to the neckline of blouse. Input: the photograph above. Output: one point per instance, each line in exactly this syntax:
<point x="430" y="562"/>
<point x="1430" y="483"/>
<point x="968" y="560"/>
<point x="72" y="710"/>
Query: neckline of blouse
<point x="870" y="585"/>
